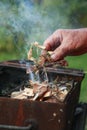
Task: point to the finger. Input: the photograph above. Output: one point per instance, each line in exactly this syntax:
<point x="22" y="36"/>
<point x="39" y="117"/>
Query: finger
<point x="49" y="43"/>
<point x="52" y="42"/>
<point x="59" y="53"/>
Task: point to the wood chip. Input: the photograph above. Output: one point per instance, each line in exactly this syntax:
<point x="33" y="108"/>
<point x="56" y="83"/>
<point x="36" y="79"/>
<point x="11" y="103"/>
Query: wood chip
<point x="39" y="46"/>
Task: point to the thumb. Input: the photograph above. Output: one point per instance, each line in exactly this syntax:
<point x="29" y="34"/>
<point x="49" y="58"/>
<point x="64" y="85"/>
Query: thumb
<point x="53" y="41"/>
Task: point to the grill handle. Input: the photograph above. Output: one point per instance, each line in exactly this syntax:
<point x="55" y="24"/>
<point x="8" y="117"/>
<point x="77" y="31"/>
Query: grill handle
<point x="32" y="126"/>
<point x="9" y="127"/>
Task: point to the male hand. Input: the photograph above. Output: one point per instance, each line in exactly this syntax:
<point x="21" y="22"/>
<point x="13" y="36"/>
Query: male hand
<point x="66" y="42"/>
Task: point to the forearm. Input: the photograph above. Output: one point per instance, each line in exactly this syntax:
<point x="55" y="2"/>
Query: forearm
<point x="81" y="41"/>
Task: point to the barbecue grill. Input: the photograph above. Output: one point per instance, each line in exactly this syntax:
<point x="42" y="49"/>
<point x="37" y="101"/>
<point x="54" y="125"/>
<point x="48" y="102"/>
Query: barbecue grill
<point x="23" y="114"/>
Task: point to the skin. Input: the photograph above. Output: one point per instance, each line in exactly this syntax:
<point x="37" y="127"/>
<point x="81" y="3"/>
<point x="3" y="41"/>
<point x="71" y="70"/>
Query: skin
<point x="67" y="42"/>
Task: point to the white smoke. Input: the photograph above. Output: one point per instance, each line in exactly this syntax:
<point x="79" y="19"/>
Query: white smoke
<point x="33" y="22"/>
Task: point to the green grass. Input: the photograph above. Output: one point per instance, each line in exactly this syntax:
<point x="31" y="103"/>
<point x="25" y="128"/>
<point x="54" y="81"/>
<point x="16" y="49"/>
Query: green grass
<point x="10" y="55"/>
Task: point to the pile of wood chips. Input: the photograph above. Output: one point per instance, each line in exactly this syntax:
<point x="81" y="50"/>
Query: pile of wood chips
<point x="44" y="91"/>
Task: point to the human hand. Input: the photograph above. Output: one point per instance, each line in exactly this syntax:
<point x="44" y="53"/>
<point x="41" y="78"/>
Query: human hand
<point x="66" y="42"/>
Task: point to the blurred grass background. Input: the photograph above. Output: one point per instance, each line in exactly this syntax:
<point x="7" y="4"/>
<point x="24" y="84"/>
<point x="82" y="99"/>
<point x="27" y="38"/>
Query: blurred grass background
<point x="26" y="21"/>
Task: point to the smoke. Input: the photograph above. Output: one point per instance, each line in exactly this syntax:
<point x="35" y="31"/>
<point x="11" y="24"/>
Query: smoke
<point x="27" y="22"/>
